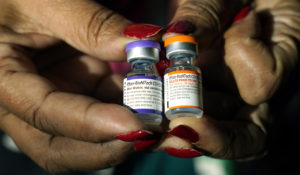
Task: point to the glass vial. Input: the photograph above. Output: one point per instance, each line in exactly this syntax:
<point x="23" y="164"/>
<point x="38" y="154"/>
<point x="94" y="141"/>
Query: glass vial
<point x="182" y="80"/>
<point x="143" y="85"/>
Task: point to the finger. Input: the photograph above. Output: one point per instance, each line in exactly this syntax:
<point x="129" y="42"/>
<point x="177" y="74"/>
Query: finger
<point x="86" y="25"/>
<point x="77" y="73"/>
<point x="85" y="75"/>
<point x="250" y="61"/>
<point x="178" y="147"/>
<point x="40" y="103"/>
<point x="204" y="19"/>
<point x="29" y="40"/>
<point x="58" y="154"/>
<point x="259" y="63"/>
<point x="224" y="139"/>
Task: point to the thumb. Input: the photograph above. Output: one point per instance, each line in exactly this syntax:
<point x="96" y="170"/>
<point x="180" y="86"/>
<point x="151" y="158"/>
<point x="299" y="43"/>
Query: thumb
<point x="250" y="61"/>
<point x="203" y="19"/>
<point x="84" y="24"/>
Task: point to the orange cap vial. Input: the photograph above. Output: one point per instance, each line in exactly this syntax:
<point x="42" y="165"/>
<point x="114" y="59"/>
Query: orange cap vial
<point x="183" y="44"/>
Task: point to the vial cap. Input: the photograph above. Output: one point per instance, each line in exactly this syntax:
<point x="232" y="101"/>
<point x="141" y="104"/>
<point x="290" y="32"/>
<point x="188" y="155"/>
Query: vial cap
<point x="142" y="43"/>
<point x="143" y="49"/>
<point x="180" y="38"/>
<point x="181" y="44"/>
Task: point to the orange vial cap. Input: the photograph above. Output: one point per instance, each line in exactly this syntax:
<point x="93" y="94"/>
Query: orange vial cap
<point x="180" y="38"/>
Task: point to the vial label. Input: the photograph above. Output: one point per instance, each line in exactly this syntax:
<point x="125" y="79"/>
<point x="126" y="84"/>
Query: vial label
<point x="143" y="94"/>
<point x="182" y="90"/>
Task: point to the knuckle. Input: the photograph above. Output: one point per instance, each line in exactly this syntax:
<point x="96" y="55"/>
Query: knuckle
<point x="7" y="50"/>
<point x="111" y="157"/>
<point x="100" y="24"/>
<point x="35" y="118"/>
<point x="204" y="12"/>
<point x="50" y="165"/>
<point x="51" y="160"/>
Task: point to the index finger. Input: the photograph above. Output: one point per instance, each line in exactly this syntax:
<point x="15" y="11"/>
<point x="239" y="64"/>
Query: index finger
<point x="53" y="152"/>
<point x="86" y="25"/>
<point x="37" y="101"/>
<point x="242" y="138"/>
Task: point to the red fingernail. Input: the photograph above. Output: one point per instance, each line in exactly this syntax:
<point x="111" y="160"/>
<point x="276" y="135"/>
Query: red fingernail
<point x="134" y="135"/>
<point x="241" y="14"/>
<point x="144" y="144"/>
<point x="141" y="31"/>
<point x="186" y="133"/>
<point x="183" y="152"/>
<point x="183" y="27"/>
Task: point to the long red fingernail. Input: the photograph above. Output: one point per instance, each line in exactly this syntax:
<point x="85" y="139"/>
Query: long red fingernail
<point x="183" y="27"/>
<point x="144" y="144"/>
<point x="241" y="14"/>
<point x="134" y="135"/>
<point x="141" y="31"/>
<point x="186" y="133"/>
<point x="183" y="152"/>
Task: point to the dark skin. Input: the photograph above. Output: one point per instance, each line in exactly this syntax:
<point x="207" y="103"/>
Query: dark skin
<point x="259" y="51"/>
<point x="66" y="116"/>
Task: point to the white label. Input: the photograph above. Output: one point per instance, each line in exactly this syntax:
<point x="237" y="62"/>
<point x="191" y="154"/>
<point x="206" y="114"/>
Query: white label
<point x="143" y="94"/>
<point x="182" y="90"/>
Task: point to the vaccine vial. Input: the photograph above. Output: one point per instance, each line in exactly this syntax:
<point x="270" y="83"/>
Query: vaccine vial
<point x="182" y="80"/>
<point x="143" y="85"/>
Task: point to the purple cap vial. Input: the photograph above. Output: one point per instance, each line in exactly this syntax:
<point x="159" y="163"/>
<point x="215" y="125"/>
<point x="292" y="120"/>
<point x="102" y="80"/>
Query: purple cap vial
<point x="143" y="49"/>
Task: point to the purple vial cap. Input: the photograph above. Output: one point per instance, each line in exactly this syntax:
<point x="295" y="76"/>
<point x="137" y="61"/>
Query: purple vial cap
<point x="142" y="43"/>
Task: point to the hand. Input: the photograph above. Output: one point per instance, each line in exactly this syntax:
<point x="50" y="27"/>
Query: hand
<point x="56" y="102"/>
<point x="260" y="50"/>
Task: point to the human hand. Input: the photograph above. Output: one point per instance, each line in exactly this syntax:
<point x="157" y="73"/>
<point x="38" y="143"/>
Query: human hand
<point x="259" y="52"/>
<point x="59" y="103"/>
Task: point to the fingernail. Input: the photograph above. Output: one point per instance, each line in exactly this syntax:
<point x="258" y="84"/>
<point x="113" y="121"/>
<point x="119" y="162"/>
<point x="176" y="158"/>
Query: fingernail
<point x="141" y="31"/>
<point x="186" y="133"/>
<point x="144" y="144"/>
<point x="183" y="27"/>
<point x="134" y="135"/>
<point x="241" y="14"/>
<point x="183" y="152"/>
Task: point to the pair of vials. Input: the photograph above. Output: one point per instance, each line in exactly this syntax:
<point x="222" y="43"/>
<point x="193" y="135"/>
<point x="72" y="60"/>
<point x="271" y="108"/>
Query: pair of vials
<point x="144" y="90"/>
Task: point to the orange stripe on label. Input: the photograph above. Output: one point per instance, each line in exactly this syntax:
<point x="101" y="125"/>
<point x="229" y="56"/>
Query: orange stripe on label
<point x="185" y="106"/>
<point x="182" y="72"/>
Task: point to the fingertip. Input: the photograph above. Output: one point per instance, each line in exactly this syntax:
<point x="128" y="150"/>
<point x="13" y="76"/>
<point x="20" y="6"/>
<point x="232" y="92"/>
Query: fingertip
<point x="244" y="27"/>
<point x="241" y="14"/>
<point x="183" y="152"/>
<point x="125" y="120"/>
<point x="106" y="121"/>
<point x="141" y="30"/>
<point x="134" y="135"/>
<point x="189" y="121"/>
<point x="188" y="128"/>
<point x="173" y="142"/>
<point x="200" y="132"/>
<point x="186" y="133"/>
<point x="179" y="28"/>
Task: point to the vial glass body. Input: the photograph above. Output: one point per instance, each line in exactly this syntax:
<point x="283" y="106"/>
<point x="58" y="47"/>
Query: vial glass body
<point x="183" y="88"/>
<point x="143" y="92"/>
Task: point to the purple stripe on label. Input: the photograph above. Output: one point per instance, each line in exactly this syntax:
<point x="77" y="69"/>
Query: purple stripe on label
<point x="144" y="77"/>
<point x="147" y="111"/>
